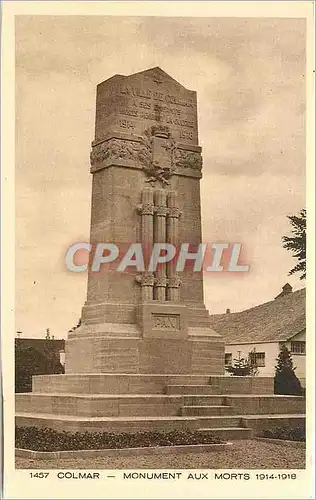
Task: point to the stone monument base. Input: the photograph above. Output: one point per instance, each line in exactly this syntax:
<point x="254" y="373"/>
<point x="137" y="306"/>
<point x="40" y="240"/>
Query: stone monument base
<point x="150" y="346"/>
<point x="133" y="354"/>
<point x="226" y="407"/>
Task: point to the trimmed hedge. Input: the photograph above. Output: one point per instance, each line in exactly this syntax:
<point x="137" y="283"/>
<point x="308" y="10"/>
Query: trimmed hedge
<point x="286" y="433"/>
<point x="32" y="438"/>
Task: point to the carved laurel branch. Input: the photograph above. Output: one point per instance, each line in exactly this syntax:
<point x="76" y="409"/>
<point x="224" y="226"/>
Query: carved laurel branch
<point x="121" y="149"/>
<point x="155" y="172"/>
<point x="117" y="149"/>
<point x="188" y="159"/>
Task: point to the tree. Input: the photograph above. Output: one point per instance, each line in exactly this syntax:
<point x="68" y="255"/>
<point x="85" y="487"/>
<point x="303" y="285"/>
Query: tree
<point x="252" y="360"/>
<point x="243" y="367"/>
<point x="285" y="380"/>
<point x="297" y="242"/>
<point x="28" y="362"/>
<point x="53" y="364"/>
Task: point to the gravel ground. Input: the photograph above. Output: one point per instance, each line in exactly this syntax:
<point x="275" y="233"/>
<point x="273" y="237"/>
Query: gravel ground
<point x="243" y="455"/>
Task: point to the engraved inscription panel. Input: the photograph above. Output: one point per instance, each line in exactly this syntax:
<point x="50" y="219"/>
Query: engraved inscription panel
<point x="134" y="103"/>
<point x="166" y="321"/>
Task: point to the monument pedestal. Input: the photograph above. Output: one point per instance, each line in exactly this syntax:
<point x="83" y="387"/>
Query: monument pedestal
<point x="162" y="342"/>
<point x="137" y="355"/>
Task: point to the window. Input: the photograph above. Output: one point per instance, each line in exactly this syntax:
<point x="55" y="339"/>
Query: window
<point x="298" y="347"/>
<point x="228" y="358"/>
<point x="258" y="358"/>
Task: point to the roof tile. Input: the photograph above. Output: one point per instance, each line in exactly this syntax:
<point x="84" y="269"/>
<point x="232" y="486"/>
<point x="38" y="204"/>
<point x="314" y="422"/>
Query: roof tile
<point x="277" y="320"/>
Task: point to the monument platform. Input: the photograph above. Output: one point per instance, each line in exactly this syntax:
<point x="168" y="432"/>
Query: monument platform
<point x="228" y="407"/>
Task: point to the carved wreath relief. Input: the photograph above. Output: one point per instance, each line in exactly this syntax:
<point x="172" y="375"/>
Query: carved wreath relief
<point x="114" y="149"/>
<point x="156" y="151"/>
<point x="188" y="159"/>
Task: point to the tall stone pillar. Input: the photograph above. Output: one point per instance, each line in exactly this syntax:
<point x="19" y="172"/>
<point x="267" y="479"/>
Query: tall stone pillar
<point x="173" y="281"/>
<point x="160" y="235"/>
<point x="146" y="211"/>
<point x="146" y="155"/>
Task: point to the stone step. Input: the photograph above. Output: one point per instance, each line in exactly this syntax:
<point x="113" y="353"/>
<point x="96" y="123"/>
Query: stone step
<point x="207" y="410"/>
<point x="266" y="404"/>
<point x="91" y="405"/>
<point x="242" y="385"/>
<point x="229" y="433"/>
<point x="109" y="383"/>
<point x="191" y="389"/>
<point x="98" y="405"/>
<point x="225" y="427"/>
<point x="203" y="400"/>
<point x="260" y="422"/>
<point x="222" y="421"/>
<point x="106" y="424"/>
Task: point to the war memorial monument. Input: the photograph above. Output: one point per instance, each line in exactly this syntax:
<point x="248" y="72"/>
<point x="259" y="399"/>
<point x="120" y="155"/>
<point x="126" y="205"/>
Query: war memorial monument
<point x="145" y="356"/>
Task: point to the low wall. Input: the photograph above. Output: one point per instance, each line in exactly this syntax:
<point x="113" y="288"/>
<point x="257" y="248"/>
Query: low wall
<point x="123" y="452"/>
<point x="256" y="405"/>
<point x="133" y="424"/>
<point x="259" y="424"/>
<point x="243" y="385"/>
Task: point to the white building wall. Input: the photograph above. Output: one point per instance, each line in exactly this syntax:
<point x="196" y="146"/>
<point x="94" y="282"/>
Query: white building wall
<point x="271" y="350"/>
<point x="300" y="336"/>
<point x="299" y="362"/>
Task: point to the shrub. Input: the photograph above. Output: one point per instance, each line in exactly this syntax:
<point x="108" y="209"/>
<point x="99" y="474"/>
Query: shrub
<point x="32" y="438"/>
<point x="286" y="433"/>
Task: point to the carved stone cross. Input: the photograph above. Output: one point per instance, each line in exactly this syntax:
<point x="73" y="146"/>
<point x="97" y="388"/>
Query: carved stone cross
<point x="157" y="79"/>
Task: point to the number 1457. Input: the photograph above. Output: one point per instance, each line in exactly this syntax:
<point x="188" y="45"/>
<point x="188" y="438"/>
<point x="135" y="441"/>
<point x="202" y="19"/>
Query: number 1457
<point x="39" y="475"/>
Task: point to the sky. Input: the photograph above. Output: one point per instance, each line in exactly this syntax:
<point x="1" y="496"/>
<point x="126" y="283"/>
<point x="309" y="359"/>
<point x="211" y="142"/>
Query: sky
<point x="249" y="75"/>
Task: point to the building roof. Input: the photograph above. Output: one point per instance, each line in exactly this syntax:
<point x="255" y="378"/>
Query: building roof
<point x="275" y="321"/>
